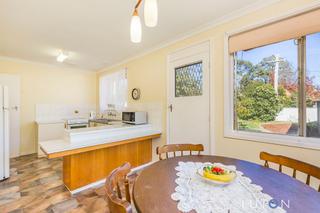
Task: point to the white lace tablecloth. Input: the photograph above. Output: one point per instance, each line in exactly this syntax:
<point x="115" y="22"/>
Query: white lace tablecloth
<point x="194" y="193"/>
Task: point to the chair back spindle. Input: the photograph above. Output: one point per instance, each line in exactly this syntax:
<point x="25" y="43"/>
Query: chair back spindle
<point x="296" y="165"/>
<point x="115" y="183"/>
<point x="178" y="148"/>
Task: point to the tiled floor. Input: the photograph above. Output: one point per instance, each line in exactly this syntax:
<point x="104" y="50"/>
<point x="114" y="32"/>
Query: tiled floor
<point x="36" y="185"/>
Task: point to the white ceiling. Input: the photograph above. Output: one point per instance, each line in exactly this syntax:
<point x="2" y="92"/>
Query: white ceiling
<point x="96" y="32"/>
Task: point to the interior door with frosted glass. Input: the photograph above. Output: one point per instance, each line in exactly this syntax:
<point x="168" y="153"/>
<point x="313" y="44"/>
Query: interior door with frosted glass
<point x="189" y="99"/>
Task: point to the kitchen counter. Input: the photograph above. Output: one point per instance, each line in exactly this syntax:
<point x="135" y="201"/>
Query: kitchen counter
<point x="89" y="154"/>
<point x="93" y="136"/>
<point x="104" y="120"/>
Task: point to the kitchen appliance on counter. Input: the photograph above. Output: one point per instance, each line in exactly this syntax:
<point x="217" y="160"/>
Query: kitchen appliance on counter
<point x="75" y="123"/>
<point x="134" y="117"/>
<point x="92" y="115"/>
<point x="4" y="133"/>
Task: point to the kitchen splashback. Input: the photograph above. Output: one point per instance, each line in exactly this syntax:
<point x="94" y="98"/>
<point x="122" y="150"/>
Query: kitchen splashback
<point x="62" y="111"/>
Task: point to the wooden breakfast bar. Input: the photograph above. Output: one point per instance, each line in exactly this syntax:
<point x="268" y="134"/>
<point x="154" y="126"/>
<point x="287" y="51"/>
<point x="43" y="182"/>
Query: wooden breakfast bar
<point x="89" y="155"/>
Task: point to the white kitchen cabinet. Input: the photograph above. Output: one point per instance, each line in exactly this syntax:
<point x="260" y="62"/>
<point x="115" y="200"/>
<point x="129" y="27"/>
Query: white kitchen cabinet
<point x="48" y="131"/>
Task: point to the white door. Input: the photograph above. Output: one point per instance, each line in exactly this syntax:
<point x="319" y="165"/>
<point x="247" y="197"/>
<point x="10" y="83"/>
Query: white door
<point x="13" y="84"/>
<point x="4" y="132"/>
<point x="189" y="96"/>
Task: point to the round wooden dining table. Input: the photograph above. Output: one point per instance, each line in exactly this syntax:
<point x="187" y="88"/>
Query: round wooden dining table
<point x="153" y="187"/>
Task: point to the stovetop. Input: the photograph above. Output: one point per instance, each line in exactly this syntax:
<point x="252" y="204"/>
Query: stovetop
<point x="76" y="120"/>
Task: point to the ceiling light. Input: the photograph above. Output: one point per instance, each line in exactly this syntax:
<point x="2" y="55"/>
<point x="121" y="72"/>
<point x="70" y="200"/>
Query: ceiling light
<point x="151" y="13"/>
<point x="61" y="57"/>
<point x="135" y="28"/>
<point x="150" y="19"/>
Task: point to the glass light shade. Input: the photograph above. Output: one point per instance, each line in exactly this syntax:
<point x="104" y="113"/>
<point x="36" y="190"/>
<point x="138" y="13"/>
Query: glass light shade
<point x="135" y="29"/>
<point x="61" y="57"/>
<point x="151" y="13"/>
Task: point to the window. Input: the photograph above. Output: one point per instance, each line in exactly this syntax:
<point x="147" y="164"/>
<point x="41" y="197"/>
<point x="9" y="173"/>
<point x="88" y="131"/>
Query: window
<point x="268" y="95"/>
<point x="113" y="91"/>
<point x="266" y="89"/>
<point x="272" y="82"/>
<point x="189" y="80"/>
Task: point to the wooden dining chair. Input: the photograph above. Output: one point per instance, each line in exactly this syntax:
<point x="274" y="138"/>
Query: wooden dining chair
<point x="296" y="165"/>
<point x="116" y="185"/>
<point x="178" y="148"/>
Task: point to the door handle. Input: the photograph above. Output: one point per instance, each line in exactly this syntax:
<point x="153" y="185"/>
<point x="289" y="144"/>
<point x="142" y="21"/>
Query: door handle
<point x="170" y="107"/>
<point x="15" y="108"/>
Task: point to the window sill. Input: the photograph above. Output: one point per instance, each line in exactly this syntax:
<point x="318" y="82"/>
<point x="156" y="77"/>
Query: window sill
<point x="284" y="140"/>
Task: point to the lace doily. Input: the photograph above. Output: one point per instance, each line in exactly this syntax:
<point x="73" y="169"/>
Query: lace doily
<point x="194" y="193"/>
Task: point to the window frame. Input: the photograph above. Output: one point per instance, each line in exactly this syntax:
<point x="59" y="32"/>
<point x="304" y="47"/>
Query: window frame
<point x="229" y="93"/>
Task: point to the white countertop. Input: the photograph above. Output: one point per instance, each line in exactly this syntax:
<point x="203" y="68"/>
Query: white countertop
<point x="115" y="126"/>
<point x="92" y="136"/>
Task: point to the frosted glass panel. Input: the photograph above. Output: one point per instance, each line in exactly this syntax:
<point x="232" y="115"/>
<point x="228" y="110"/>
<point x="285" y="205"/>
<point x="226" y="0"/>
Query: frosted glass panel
<point x="189" y="80"/>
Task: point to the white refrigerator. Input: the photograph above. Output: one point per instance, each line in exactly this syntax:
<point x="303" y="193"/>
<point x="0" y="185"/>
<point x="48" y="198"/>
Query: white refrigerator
<point x="4" y="133"/>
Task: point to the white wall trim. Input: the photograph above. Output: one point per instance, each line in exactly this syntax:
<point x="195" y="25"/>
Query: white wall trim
<point x="91" y="185"/>
<point x="212" y="100"/>
<point x="27" y="153"/>
<point x="284" y="140"/>
<point x="202" y="28"/>
<point x="228" y="88"/>
<point x="229" y="132"/>
<point x="168" y="101"/>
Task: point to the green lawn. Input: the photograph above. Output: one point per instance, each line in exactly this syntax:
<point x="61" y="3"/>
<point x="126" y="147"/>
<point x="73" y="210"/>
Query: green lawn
<point x="250" y="125"/>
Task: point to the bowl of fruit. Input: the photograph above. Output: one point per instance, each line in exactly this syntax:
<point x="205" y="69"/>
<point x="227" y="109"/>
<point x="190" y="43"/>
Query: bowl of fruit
<point x="217" y="174"/>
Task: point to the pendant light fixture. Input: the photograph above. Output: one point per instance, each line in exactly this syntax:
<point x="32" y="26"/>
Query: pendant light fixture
<point x="62" y="57"/>
<point x="151" y="13"/>
<point x="150" y="18"/>
<point x="135" y="28"/>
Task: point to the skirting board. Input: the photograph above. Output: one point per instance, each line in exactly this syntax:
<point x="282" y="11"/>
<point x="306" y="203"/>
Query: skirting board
<point x="100" y="182"/>
<point x="92" y="185"/>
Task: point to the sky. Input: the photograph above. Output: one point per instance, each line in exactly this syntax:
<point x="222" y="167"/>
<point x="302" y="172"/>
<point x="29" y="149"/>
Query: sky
<point x="288" y="50"/>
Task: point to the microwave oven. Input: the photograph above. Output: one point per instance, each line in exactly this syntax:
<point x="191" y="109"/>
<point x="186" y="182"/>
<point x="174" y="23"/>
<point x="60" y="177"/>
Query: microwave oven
<point x="134" y="117"/>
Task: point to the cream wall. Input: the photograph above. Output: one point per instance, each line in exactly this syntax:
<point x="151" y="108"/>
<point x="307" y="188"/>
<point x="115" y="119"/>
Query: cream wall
<point x="148" y="72"/>
<point x="45" y="84"/>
